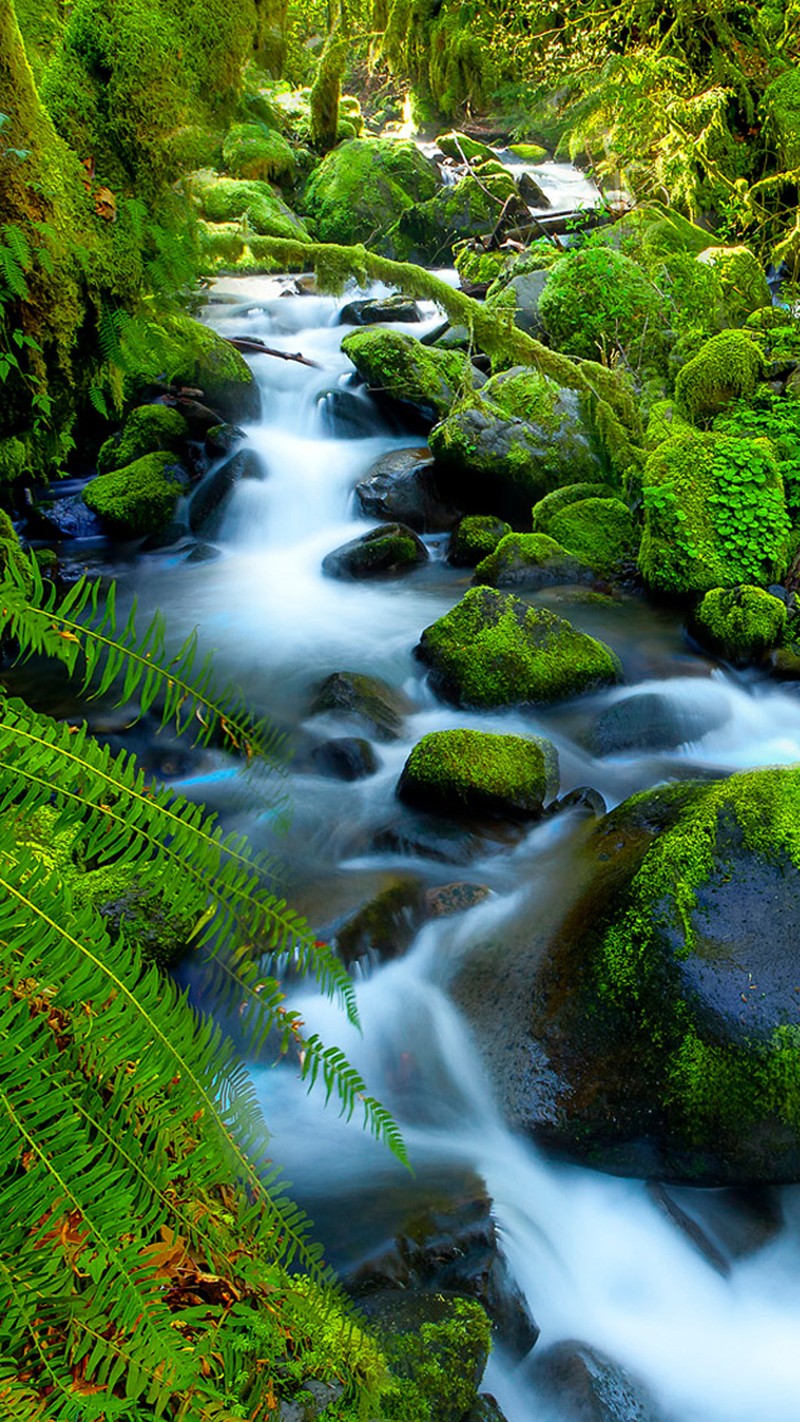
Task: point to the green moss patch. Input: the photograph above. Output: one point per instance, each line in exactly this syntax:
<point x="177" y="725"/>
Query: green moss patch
<point x="252" y="150"/>
<point x="559" y="499"/>
<point x="361" y="188"/>
<point x="474" y="772"/>
<point x="475" y="538"/>
<point x="531" y="560"/>
<point x="148" y="428"/>
<point x="398" y="365"/>
<point x="599" y="531"/>
<point x="137" y="500"/>
<point x="494" y="650"/>
<point x="597" y="300"/>
<point x="740" y="623"/>
<point x="241" y="200"/>
<point x="728" y="368"/>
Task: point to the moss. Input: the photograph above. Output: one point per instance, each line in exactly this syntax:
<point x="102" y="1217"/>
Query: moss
<point x="41" y="24"/>
<point x="597" y="301"/>
<point x="460" y="146"/>
<point x="727" y="368"/>
<point x="559" y="499"/>
<point x="600" y="531"/>
<point x="385" y="551"/>
<point x="742" y="280"/>
<point x="251" y="150"/>
<point x="238" y="199"/>
<point x="714" y="514"/>
<point x="400" y="366"/>
<point x="529" y="560"/>
<point x="429" y="231"/>
<point x="475" y="772"/>
<point x="780" y="110"/>
<point x="363" y="185"/>
<point x="494" y="650"/>
<point x="182" y="351"/>
<point x="137" y="500"/>
<point x="528" y="152"/>
<point x="11" y="552"/>
<point x="475" y="538"/>
<point x="438" y="1361"/>
<point x="740" y="623"/>
<point x="147" y="429"/>
<point x="474" y="264"/>
<point x="664" y="420"/>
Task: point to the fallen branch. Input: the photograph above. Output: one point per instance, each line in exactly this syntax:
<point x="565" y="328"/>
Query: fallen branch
<point x="249" y="345"/>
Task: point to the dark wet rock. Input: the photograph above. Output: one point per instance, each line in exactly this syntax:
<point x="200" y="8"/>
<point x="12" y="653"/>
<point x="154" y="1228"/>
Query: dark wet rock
<point x="532" y="561"/>
<point x="406" y="376"/>
<point x="223" y="439"/>
<point x="466" y="772"/>
<point x="653" y="720"/>
<point x="520" y="297"/>
<point x="475" y="538"/>
<point x="375" y="311"/>
<point x="443" y="841"/>
<point x="585" y="1385"/>
<point x="440" y="1341"/>
<point x="383" y="552"/>
<point x="492" y="649"/>
<point x="531" y="192"/>
<point x="201" y="420"/>
<point x="486" y="1409"/>
<point x="345" y="414"/>
<point x="583" y="799"/>
<point x="345" y="758"/>
<point x="448" y="1241"/>
<point x="458" y="897"/>
<point x="209" y="500"/>
<point x="724" y="1224"/>
<point x="402" y="486"/>
<point x="385" y="927"/>
<point x="63" y="518"/>
<point x="366" y="701"/>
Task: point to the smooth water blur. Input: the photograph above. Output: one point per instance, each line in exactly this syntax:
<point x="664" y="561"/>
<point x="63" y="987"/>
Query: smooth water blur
<point x="595" y="1257"/>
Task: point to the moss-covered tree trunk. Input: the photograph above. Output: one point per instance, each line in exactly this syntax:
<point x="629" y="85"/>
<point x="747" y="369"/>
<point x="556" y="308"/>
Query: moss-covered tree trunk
<point x="269" y="40"/>
<point x="326" y="89"/>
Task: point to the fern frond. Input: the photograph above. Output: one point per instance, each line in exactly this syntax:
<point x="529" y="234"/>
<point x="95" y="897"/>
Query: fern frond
<point x="337" y="1073"/>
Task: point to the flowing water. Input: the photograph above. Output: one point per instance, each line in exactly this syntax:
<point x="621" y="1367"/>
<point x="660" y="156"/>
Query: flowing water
<point x="596" y="1258"/>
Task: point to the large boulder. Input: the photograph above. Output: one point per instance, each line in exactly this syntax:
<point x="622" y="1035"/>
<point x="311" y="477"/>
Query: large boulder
<point x="253" y="150"/>
<point x="726" y="368"/>
<point x="148" y="428"/>
<point x="428" y="232"/>
<point x="140" y="499"/>
<point x="662" y="1012"/>
<point x="531" y="560"/>
<point x="479" y="773"/>
<point x="584" y="1385"/>
<point x="740" y="624"/>
<point x="418" y="381"/>
<point x="599" y="531"/>
<point x="362" y="187"/>
<point x="492" y="649"/>
<point x="222" y="200"/>
<point x="402" y="486"/>
<point x="186" y="353"/>
<point x="714" y="514"/>
<point x="502" y="449"/>
<point x="597" y="301"/>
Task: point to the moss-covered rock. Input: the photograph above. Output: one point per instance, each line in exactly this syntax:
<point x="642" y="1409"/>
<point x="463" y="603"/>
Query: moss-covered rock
<point x="475" y="538"/>
<point x="519" y="299"/>
<point x="531" y="560"/>
<point x="366" y="701"/>
<point x="597" y="300"/>
<point x="11" y="553"/>
<point x="475" y="265"/>
<point x="502" y="449"/>
<point x="494" y="650"/>
<point x="361" y="188"/>
<point x="727" y="368"/>
<point x="242" y="200"/>
<point x="460" y="146"/>
<point x="740" y="624"/>
<point x="437" y="1344"/>
<point x="417" y="378"/>
<point x="429" y="231"/>
<point x="252" y="150"/>
<point x="528" y="152"/>
<point x="478" y="773"/>
<point x="667" y="1002"/>
<point x="185" y="352"/>
<point x="559" y="499"/>
<point x="714" y="514"/>
<point x="780" y="110"/>
<point x="663" y="420"/>
<point x="742" y="279"/>
<point x="139" y="499"/>
<point x="383" y="552"/>
<point x="599" y="531"/>
<point x="148" y="428"/>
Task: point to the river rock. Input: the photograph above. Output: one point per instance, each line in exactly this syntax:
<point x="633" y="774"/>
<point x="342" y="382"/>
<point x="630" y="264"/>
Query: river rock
<point x="411" y="378"/>
<point x="740" y="624"/>
<point x="475" y="538"/>
<point x="531" y="192"/>
<point x="531" y="560"/>
<point x="223" y="439"/>
<point x="725" y="1224"/>
<point x="140" y="499"/>
<point x="520" y="298"/>
<point x="373" y="311"/>
<point x="402" y="486"/>
<point x="457" y="897"/>
<point x="479" y="773"/>
<point x="385" y="551"/>
<point x="654" y="720"/>
<point x="440" y="1341"/>
<point x="63" y="518"/>
<point x="493" y="649"/>
<point x="385" y="927"/>
<point x="345" y="758"/>
<point x="503" y="449"/>
<point x="486" y="1409"/>
<point x="345" y="414"/>
<point x="584" y="1385"/>
<point x="210" y="498"/>
<point x="363" y="185"/>
<point x="663" y="1010"/>
<point x="366" y="701"/>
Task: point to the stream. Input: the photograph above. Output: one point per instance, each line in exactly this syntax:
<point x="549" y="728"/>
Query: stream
<point x="596" y="1257"/>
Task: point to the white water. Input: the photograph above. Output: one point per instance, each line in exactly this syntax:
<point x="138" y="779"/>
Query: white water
<point x="596" y="1259"/>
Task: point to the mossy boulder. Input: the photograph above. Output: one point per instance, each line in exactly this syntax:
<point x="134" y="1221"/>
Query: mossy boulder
<point x="460" y="146"/>
<point x="478" y="773"/>
<point x="252" y="150"/>
<point x="519" y="299"/>
<point x="528" y="152"/>
<point x="727" y="368"/>
<point x="428" y="232"/>
<point x="531" y="560"/>
<point x="597" y="300"/>
<point x="148" y="428"/>
<point x="12" y="555"/>
<point x="366" y="701"/>
<point x="504" y="448"/>
<point x="139" y="499"/>
<point x="437" y="1344"/>
<point x="559" y="499"/>
<point x="742" y="281"/>
<point x="666" y="1004"/>
<point x="663" y="420"/>
<point x="184" y="352"/>
<point x="494" y="650"/>
<point x="740" y="624"/>
<point x="362" y="187"/>
<point x="714" y="514"/>
<point x="416" y="379"/>
<point x="475" y="538"/>
<point x="241" y="200"/>
<point x="383" y="552"/>
<point x="475" y="265"/>
<point x="600" y="531"/>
